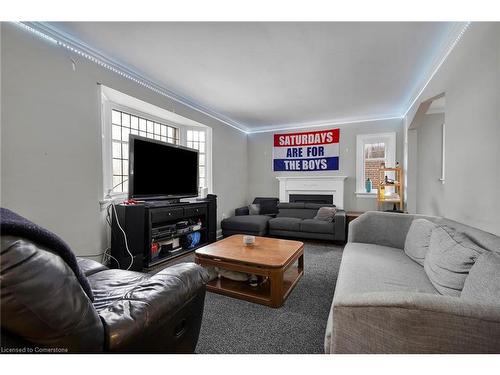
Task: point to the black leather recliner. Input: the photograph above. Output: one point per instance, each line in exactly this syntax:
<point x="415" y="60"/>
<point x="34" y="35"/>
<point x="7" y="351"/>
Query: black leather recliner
<point x="43" y="305"/>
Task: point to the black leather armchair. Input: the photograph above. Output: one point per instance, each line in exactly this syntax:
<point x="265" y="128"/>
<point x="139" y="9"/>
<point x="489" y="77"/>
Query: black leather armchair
<point x="43" y="304"/>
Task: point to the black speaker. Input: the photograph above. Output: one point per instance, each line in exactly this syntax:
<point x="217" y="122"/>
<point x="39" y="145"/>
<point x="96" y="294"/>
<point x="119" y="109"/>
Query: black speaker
<point x="212" y="218"/>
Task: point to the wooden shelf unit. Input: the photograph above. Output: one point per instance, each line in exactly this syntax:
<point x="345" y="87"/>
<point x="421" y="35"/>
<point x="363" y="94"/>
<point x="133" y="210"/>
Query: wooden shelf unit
<point x="397" y="188"/>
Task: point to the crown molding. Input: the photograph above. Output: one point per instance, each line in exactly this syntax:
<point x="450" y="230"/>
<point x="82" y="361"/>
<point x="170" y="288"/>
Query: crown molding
<point x="52" y="34"/>
<point x="325" y="123"/>
<point x="452" y="40"/>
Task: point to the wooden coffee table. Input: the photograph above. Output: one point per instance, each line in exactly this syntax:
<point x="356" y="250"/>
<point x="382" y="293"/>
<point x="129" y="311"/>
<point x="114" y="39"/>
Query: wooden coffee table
<point x="282" y="261"/>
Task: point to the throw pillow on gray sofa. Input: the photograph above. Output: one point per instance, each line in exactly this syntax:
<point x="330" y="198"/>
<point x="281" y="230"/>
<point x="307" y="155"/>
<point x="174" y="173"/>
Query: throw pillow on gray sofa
<point x="254" y="209"/>
<point x="326" y="214"/>
<point x="483" y="282"/>
<point x="449" y="260"/>
<point x="418" y="239"/>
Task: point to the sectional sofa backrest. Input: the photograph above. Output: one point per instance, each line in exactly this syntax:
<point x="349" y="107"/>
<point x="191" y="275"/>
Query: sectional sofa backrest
<point x="300" y="210"/>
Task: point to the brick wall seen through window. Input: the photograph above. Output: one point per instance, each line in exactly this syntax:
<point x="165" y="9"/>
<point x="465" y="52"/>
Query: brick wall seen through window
<point x="374" y="155"/>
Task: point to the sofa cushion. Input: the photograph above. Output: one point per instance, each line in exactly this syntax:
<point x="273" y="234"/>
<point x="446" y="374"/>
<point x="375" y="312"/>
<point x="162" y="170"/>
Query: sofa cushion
<point x="285" y="223"/>
<point x="148" y="312"/>
<point x="317" y="206"/>
<point x="449" y="259"/>
<point x="112" y="284"/>
<point x="316" y="226"/>
<point x="326" y="214"/>
<point x="483" y="283"/>
<point x="297" y="209"/>
<point x="367" y="268"/>
<point x="418" y="239"/>
<point x="293" y="205"/>
<point x="253" y="223"/>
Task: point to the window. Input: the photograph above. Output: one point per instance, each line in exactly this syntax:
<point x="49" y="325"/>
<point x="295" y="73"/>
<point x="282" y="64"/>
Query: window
<point x="371" y="151"/>
<point x="197" y="139"/>
<point x="123" y="124"/>
<point x="122" y="114"/>
<point x="374" y="157"/>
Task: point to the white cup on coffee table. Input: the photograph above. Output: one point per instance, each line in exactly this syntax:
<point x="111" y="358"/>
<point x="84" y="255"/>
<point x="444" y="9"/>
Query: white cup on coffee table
<point x="248" y="240"/>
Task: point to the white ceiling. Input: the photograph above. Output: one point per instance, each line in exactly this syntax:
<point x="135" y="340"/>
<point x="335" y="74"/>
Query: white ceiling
<point x="276" y="75"/>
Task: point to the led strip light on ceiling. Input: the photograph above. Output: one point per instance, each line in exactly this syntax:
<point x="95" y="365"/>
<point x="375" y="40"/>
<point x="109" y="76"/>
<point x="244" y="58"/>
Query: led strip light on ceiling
<point x="334" y="122"/>
<point x="55" y="37"/>
<point x="48" y="34"/>
<point x="445" y="56"/>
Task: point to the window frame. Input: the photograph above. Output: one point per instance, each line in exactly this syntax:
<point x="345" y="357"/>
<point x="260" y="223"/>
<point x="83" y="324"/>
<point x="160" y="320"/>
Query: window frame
<point x="107" y="106"/>
<point x="390" y="158"/>
<point x="208" y="151"/>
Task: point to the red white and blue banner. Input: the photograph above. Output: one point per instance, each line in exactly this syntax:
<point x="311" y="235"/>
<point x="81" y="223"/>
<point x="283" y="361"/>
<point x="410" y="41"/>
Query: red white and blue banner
<point x="307" y="151"/>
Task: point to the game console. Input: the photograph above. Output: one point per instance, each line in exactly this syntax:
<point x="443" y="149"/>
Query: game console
<point x="163" y="231"/>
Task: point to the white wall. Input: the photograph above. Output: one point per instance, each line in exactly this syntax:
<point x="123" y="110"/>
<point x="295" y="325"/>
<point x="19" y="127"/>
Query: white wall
<point x="470" y="79"/>
<point x="262" y="179"/>
<point x="430" y="191"/>
<point x="411" y="171"/>
<point x="51" y="167"/>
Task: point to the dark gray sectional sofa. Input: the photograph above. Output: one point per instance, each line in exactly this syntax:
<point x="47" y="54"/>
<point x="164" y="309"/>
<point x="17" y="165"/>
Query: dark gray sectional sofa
<point x="293" y="220"/>
<point x="297" y="220"/>
<point x="255" y="225"/>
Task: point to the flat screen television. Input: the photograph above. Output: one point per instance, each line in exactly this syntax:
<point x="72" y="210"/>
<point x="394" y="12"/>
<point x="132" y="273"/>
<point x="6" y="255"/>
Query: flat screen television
<point x="159" y="170"/>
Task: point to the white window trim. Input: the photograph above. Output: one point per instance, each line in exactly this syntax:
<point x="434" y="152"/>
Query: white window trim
<point x="110" y="100"/>
<point x="208" y="151"/>
<point x="361" y="140"/>
<point x="443" y="154"/>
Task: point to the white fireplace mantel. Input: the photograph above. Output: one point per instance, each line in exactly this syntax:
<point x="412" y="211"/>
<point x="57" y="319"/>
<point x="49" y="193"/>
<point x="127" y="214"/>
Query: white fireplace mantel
<point x="330" y="185"/>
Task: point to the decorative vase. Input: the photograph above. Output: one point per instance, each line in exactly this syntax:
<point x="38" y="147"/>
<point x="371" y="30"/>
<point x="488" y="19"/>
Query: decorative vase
<point x="368" y="185"/>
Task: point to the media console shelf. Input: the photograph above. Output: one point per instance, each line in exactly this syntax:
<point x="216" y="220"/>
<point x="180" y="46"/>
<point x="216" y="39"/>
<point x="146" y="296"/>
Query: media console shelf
<point x="150" y="230"/>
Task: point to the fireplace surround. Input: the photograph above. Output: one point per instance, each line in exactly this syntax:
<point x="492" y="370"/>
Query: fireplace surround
<point x="312" y="185"/>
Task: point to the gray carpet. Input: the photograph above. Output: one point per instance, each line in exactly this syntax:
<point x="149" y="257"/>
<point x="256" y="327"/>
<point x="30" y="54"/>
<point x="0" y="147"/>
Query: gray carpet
<point x="234" y="326"/>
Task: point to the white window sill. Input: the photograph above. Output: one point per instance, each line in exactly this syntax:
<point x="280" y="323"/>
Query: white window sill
<point x="113" y="198"/>
<point x="364" y="194"/>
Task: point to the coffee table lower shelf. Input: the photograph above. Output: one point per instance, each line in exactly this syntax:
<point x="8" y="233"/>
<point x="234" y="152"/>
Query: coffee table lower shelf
<point x="261" y="294"/>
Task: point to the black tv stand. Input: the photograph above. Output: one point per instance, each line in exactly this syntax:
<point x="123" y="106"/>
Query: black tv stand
<point x="161" y="203"/>
<point x="151" y="228"/>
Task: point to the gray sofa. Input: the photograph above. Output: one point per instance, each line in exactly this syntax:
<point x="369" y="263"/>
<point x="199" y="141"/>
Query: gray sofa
<point x="255" y="225"/>
<point x="293" y="220"/>
<point x="244" y="223"/>
<point x="385" y="303"/>
<point x="296" y="220"/>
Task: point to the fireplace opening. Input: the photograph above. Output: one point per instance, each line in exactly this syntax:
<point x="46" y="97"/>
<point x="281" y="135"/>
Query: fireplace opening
<point x="311" y="198"/>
